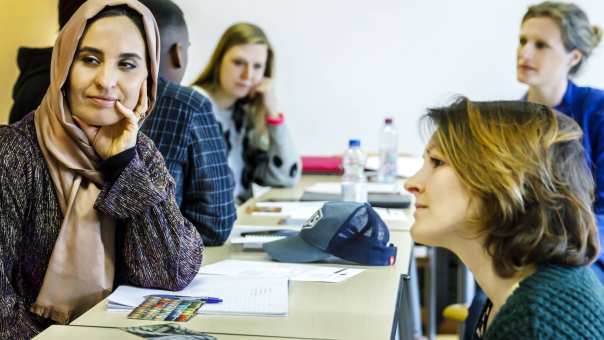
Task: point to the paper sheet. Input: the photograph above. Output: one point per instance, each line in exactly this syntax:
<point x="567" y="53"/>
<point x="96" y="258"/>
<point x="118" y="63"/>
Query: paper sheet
<point x="295" y="272"/>
<point x="240" y="295"/>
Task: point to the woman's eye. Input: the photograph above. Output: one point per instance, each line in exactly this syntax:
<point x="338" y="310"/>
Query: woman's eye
<point x="238" y="62"/>
<point x="257" y="66"/>
<point x="522" y="41"/>
<point x="540" y="45"/>
<point x="127" y="65"/>
<point x="436" y="162"/>
<point x="91" y="60"/>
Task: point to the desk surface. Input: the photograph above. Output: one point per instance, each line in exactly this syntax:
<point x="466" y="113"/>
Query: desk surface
<point x="359" y="308"/>
<point x="97" y="333"/>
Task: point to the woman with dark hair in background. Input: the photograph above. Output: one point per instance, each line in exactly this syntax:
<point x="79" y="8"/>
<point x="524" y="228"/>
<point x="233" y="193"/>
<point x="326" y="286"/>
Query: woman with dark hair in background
<point x="505" y="187"/>
<point x="86" y="199"/>
<point x="34" y="69"/>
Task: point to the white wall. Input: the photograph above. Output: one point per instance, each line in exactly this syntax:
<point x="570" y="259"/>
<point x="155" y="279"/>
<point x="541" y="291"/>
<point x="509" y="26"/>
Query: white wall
<point x="342" y="65"/>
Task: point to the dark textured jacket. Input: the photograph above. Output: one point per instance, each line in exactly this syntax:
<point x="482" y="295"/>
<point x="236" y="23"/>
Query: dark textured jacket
<point x="33" y="81"/>
<point x="155" y="246"/>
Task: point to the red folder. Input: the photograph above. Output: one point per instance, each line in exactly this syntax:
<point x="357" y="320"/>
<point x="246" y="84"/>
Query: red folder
<point x="321" y="164"/>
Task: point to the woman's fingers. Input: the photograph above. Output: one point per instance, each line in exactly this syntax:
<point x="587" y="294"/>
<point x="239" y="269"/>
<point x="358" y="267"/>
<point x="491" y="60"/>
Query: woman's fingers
<point x="140" y="109"/>
<point x="89" y="131"/>
<point x="126" y="112"/>
<point x="143" y="102"/>
<point x="264" y="85"/>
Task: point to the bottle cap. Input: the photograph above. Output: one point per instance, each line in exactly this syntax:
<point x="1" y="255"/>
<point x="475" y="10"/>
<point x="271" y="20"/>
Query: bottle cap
<point x="354" y="143"/>
<point x="388" y="120"/>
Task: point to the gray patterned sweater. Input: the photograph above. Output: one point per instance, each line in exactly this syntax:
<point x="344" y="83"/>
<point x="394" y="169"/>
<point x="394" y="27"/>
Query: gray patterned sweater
<point x="155" y="246"/>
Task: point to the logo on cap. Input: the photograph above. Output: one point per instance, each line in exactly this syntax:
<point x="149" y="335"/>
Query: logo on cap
<point x="313" y="220"/>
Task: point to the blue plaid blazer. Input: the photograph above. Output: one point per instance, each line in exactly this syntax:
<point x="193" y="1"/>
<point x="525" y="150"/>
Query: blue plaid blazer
<point x="184" y="128"/>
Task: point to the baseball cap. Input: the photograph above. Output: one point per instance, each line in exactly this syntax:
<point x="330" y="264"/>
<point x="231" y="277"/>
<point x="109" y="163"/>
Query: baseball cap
<point x="349" y="230"/>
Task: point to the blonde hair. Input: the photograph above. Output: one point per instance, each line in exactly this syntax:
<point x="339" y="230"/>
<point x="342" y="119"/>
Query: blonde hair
<point x="525" y="165"/>
<point x="239" y="34"/>
<point x="576" y="31"/>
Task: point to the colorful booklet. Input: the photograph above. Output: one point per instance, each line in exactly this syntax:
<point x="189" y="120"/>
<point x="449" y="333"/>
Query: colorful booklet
<point x="166" y="309"/>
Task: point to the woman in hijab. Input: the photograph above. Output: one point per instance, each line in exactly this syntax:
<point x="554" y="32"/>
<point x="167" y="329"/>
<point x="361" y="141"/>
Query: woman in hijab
<point x="87" y="201"/>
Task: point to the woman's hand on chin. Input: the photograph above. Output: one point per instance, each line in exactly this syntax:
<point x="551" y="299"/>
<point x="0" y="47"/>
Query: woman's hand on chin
<point x="264" y="89"/>
<point x="110" y="140"/>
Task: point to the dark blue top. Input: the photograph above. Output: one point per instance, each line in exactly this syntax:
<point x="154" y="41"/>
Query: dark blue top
<point x="586" y="106"/>
<point x="184" y="128"/>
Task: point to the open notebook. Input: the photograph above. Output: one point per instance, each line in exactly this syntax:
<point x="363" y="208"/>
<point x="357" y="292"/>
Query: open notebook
<point x="240" y="295"/>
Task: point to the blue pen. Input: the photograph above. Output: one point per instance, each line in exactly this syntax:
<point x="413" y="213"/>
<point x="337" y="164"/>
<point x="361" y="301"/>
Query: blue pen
<point x="206" y="299"/>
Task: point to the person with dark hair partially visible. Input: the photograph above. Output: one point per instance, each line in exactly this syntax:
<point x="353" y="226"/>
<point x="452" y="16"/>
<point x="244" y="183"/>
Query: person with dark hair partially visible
<point x="34" y="68"/>
<point x="87" y="201"/>
<point x="184" y="128"/>
<point x="505" y="186"/>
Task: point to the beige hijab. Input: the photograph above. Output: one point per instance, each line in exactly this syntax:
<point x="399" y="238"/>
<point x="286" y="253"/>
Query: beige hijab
<point x="81" y="270"/>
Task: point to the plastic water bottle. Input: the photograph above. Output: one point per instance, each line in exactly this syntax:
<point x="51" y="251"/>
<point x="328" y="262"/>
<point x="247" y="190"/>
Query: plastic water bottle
<point x="387" y="170"/>
<point x="354" y="182"/>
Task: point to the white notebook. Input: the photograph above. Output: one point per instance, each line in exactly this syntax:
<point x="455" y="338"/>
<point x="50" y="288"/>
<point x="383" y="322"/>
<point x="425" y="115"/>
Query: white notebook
<point x="294" y="271"/>
<point x="240" y="295"/>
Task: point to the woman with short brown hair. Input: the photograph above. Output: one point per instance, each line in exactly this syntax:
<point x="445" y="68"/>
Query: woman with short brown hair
<point x="505" y="186"/>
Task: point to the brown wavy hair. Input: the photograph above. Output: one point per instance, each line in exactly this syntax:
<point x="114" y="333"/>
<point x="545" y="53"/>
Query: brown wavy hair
<point x="239" y="34"/>
<point x="525" y="164"/>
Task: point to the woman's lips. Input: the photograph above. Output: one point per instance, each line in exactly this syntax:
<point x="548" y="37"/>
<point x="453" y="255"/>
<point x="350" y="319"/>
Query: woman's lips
<point x="104" y="102"/>
<point x="526" y="68"/>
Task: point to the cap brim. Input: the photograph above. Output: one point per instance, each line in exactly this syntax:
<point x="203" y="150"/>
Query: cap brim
<point x="294" y="249"/>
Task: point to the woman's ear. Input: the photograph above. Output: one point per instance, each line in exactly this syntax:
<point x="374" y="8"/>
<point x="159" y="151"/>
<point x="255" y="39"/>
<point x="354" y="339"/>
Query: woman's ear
<point x="575" y="58"/>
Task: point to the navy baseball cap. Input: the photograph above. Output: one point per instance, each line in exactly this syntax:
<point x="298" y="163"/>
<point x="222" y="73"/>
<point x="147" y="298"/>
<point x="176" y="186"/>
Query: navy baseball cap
<point x="349" y="230"/>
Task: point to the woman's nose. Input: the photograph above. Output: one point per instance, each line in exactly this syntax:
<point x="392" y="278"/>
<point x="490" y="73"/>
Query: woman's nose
<point x="106" y="77"/>
<point x="525" y="51"/>
<point x="245" y="73"/>
<point x="413" y="184"/>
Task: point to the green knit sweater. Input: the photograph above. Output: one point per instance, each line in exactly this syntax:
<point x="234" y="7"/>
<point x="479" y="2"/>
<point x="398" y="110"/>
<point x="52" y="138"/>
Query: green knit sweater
<point x="554" y="303"/>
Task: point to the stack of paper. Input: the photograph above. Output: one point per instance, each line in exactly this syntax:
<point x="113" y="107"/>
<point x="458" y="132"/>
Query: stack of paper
<point x="406" y="166"/>
<point x="240" y="295"/>
<point x="381" y="195"/>
<point x="295" y="272"/>
<point x="295" y="210"/>
<point x="254" y="236"/>
<point x="372" y="188"/>
<point x="298" y="212"/>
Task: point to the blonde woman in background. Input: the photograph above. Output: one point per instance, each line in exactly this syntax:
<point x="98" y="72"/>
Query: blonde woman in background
<point x="238" y="79"/>
<point x="556" y="39"/>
